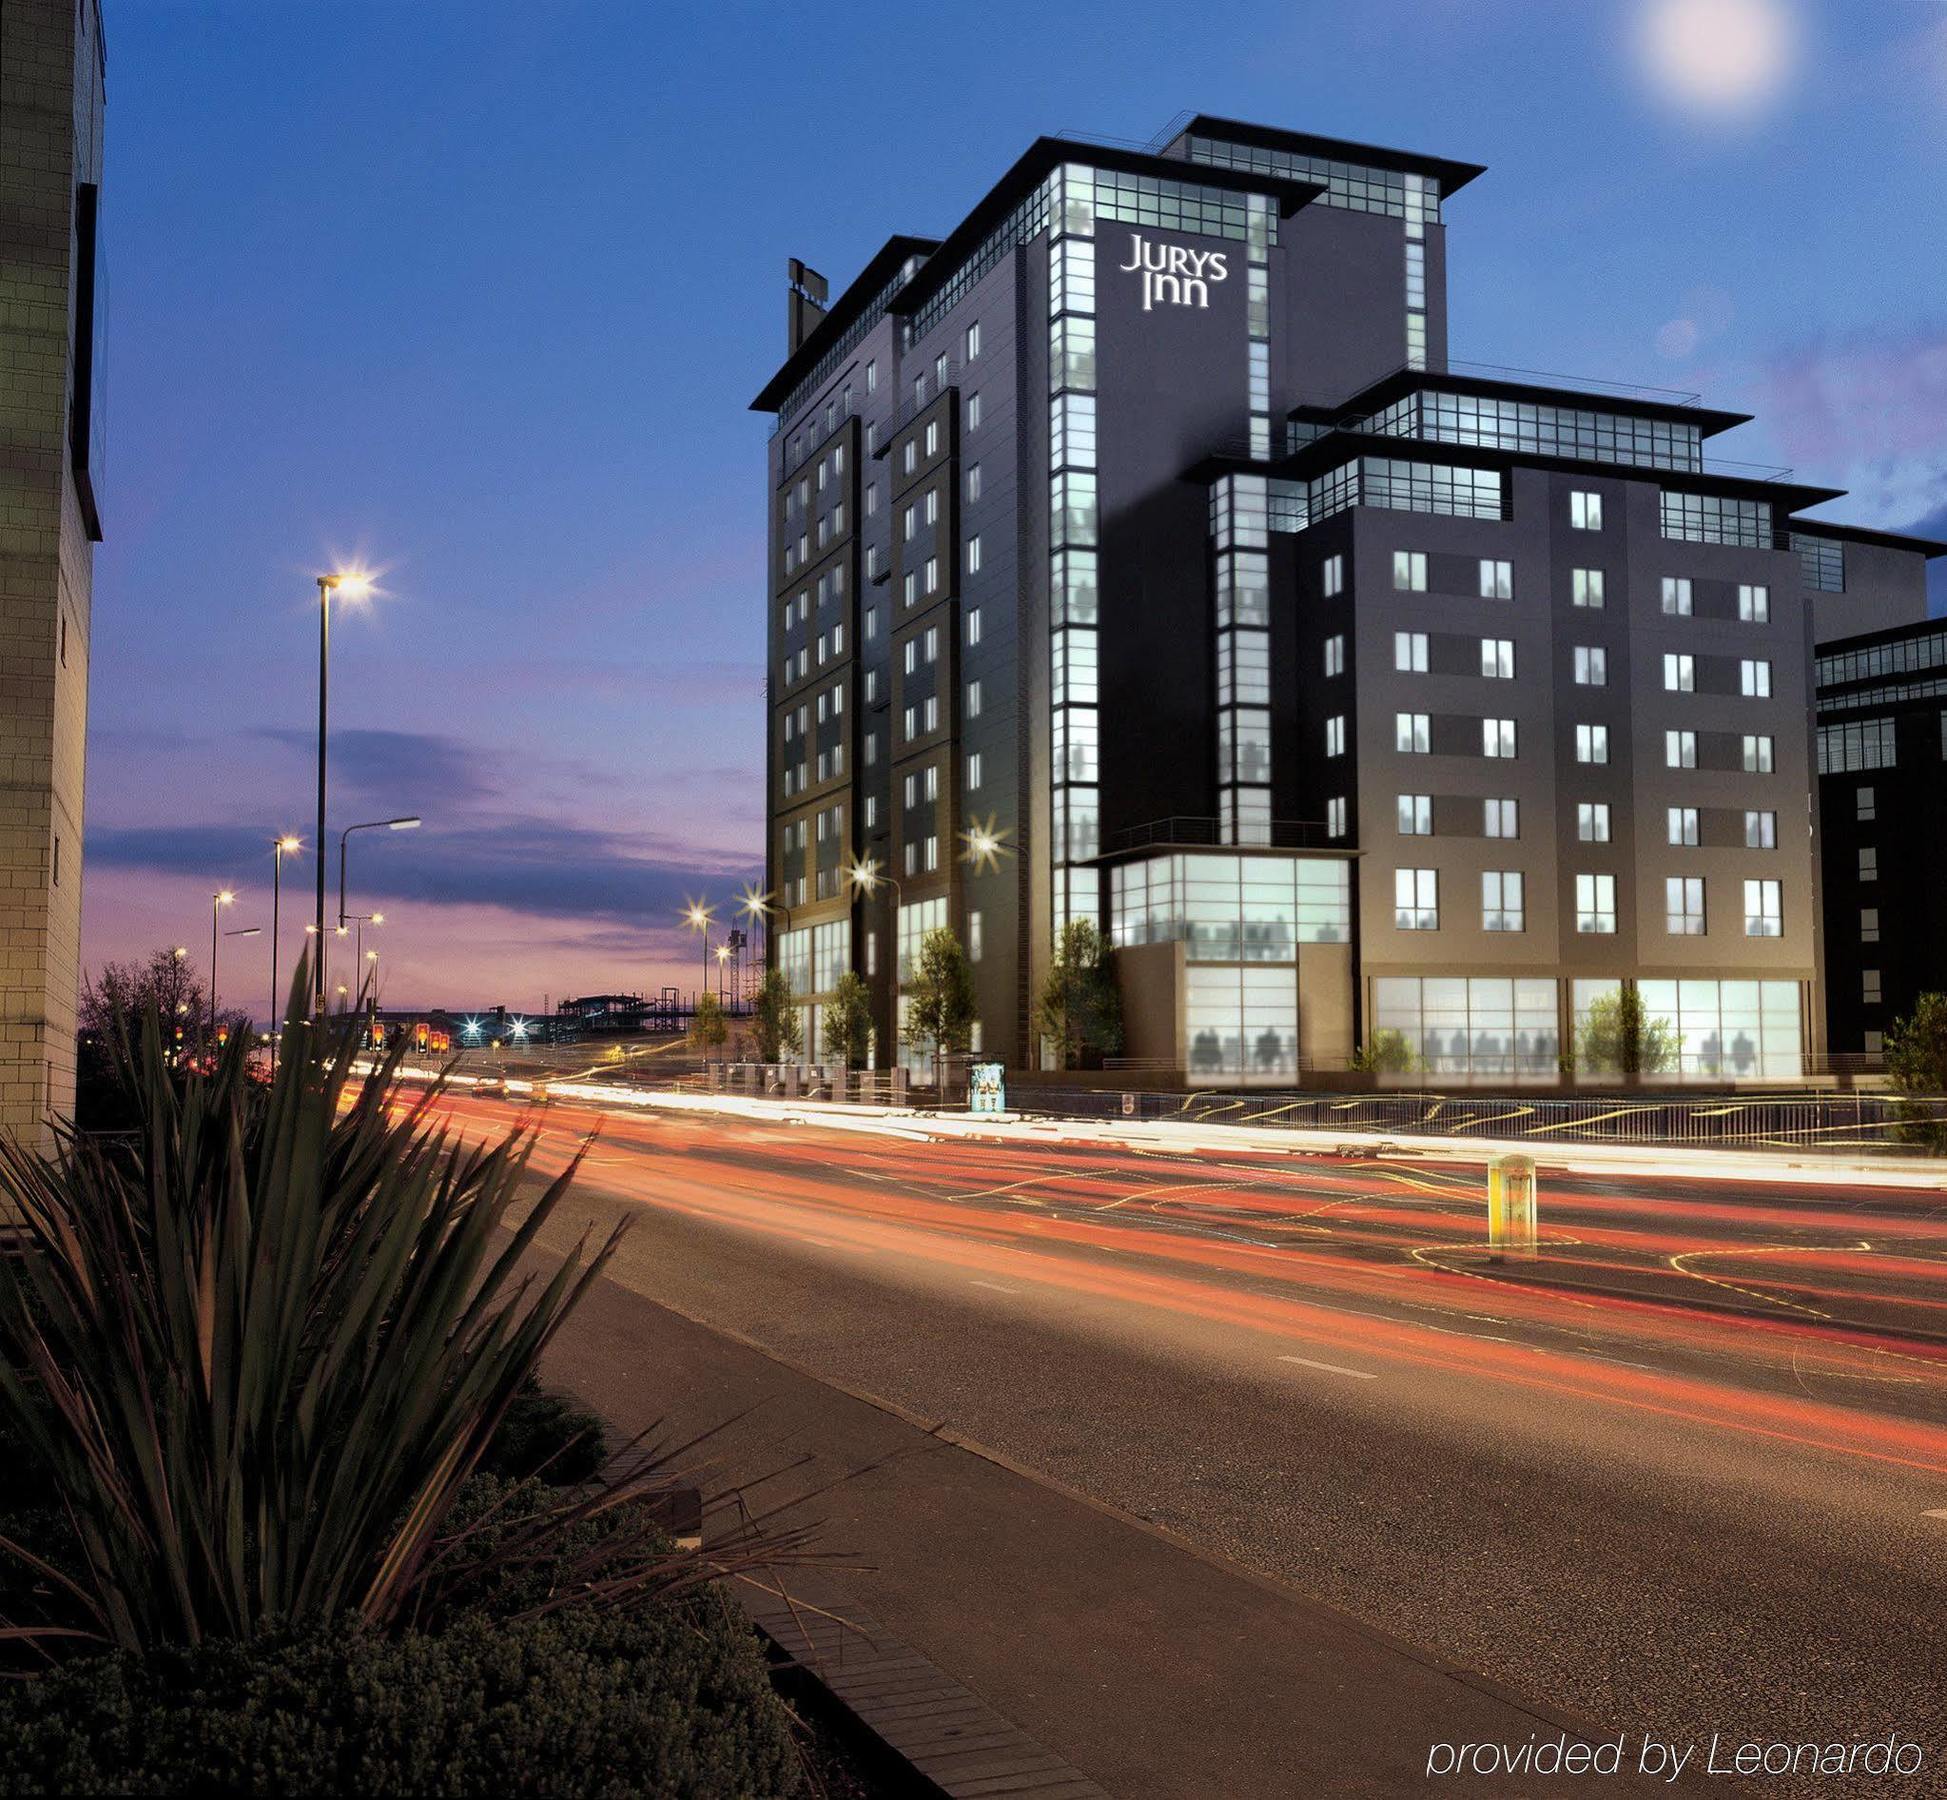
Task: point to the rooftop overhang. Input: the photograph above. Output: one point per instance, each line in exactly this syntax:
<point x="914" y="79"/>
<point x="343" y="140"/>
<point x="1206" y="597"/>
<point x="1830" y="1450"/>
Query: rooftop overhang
<point x="1401" y="382"/>
<point x="870" y="281"/>
<point x="1451" y="176"/>
<point x="1880" y="540"/>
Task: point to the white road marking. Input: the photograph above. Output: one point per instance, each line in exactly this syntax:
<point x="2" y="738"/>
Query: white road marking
<point x="996" y="1286"/>
<point x="1331" y="1368"/>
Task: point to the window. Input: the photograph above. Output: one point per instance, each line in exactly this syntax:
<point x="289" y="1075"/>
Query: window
<point x="871" y="623"/>
<point x="1497" y="737"/>
<point x="1332" y="577"/>
<point x="1683" y="905"/>
<point x="932" y="575"/>
<point x="1415" y="815"/>
<point x="1592" y="743"/>
<point x="1585" y="511"/>
<point x="912" y="655"/>
<point x="973" y="412"/>
<point x="872" y="376"/>
<point x="1586" y="586"/>
<point x="973" y="350"/>
<point x="1501" y="818"/>
<point x="1868" y="863"/>
<point x="1866" y="806"/>
<point x="1592" y="821"/>
<point x="912" y="723"/>
<point x="973" y="555"/>
<point x="1410" y="733"/>
<point x="912" y="857"/>
<point x="1497" y="580"/>
<point x="1757" y="754"/>
<point x="1680" y="749"/>
<point x="1676" y="596"/>
<point x="1591" y="666"/>
<point x="909" y="591"/>
<point x="1416" y="899"/>
<point x="973" y="481"/>
<point x="1754" y="604"/>
<point x="1754" y="679"/>
<point x="1595" y="904"/>
<point x="871" y="811"/>
<point x="1335" y="816"/>
<point x="57" y="848"/>
<point x="1681" y="826"/>
<point x="1869" y="987"/>
<point x="930" y="787"/>
<point x="932" y="850"/>
<point x="941" y="369"/>
<point x="1503" y="905"/>
<point x="932" y="712"/>
<point x="973" y="621"/>
<point x="973" y="770"/>
<point x="1335" y="654"/>
<point x="1497" y="658"/>
<point x="1409" y="571"/>
<point x="1869" y="924"/>
<point x="974" y="937"/>
<point x="1764" y="914"/>
<point x="872" y="562"/>
<point x="909" y="459"/>
<point x="1409" y="652"/>
<point x="909" y="523"/>
<point x="1679" y="674"/>
<point x="973" y="699"/>
<point x="1335" y="735"/>
<point x="1761" y="831"/>
<point x="932" y="650"/>
<point x="932" y="506"/>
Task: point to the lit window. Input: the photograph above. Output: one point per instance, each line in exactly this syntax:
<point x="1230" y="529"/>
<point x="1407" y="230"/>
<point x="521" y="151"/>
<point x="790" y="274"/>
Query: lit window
<point x="1869" y="987"/>
<point x="1869" y="924"/>
<point x="1416" y="815"/>
<point x="1679" y="674"/>
<point x="1757" y="754"/>
<point x="1868" y="863"/>
<point x="1764" y="911"/>
<point x="1409" y="571"/>
<point x="1754" y="679"/>
<point x="1497" y="658"/>
<point x="1501" y="818"/>
<point x="1410" y="652"/>
<point x="973" y="621"/>
<point x="1335" y="654"/>
<point x="973" y="770"/>
<point x="1497" y="737"/>
<point x="1680" y="749"/>
<point x="909" y="524"/>
<point x="1503" y="902"/>
<point x="1411" y="735"/>
<point x="1754" y="604"/>
<point x="1335" y="816"/>
<point x="973" y="482"/>
<point x="1866" y="806"/>
<point x="1586" y="585"/>
<point x="932" y="437"/>
<point x="1592" y="743"/>
<point x="1585" y="511"/>
<point x="1595" y="904"/>
<point x="1676" y="596"/>
<point x="1592" y="821"/>
<point x="1332" y="578"/>
<point x="973" y="340"/>
<point x="1591" y="665"/>
<point x="1416" y="899"/>
<point x="932" y="574"/>
<point x="973" y="412"/>
<point x="973" y="555"/>
<point x="1681" y="826"/>
<point x="1497" y="580"/>
<point x="1761" y="831"/>
<point x="1683" y="905"/>
<point x="1335" y="735"/>
<point x="973" y="699"/>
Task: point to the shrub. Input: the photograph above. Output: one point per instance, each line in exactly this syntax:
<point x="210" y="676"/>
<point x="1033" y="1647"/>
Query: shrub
<point x="1619" y="1037"/>
<point x="665" y="1700"/>
<point x="1388" y="1052"/>
<point x="546" y="1434"/>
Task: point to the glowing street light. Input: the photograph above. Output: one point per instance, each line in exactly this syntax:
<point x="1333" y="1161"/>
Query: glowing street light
<point x="281" y="847"/>
<point x="698" y="917"/>
<point x="347" y="584"/>
<point x="411" y="822"/>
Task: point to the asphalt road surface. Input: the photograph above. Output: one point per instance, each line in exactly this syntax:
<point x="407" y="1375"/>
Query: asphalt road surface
<point x="1685" y="1474"/>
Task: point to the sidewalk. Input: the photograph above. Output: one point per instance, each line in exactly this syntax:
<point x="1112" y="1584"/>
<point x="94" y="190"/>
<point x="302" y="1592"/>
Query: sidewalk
<point x="1151" y="1668"/>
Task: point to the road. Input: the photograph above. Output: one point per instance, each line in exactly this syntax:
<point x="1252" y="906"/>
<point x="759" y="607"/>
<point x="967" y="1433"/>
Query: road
<point x="1685" y="1474"/>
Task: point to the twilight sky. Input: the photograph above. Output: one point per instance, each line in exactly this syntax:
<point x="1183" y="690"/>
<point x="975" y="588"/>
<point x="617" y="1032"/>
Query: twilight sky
<point x="479" y="293"/>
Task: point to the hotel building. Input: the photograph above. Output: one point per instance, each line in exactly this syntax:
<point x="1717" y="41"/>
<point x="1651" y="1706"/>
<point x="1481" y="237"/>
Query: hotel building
<point x="1143" y="523"/>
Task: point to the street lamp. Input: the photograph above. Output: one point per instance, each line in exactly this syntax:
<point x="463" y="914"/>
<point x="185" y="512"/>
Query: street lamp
<point x="697" y="917"/>
<point x="348" y="585"/>
<point x="218" y="901"/>
<point x="865" y="876"/>
<point x="410" y="823"/>
<point x="723" y="956"/>
<point x="279" y="849"/>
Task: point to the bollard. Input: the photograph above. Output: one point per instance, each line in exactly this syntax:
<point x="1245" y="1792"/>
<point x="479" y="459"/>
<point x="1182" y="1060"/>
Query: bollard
<point x="1511" y="1220"/>
<point x="790" y="1081"/>
<point x="899" y="1084"/>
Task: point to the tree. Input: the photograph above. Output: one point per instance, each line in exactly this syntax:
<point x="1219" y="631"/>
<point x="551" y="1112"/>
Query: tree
<point x="774" y="1021"/>
<point x="1916" y="1063"/>
<point x="1619" y="1038"/>
<point x="1079" y="1008"/>
<point x="848" y="1020"/>
<point x="709" y="1029"/>
<point x="1388" y="1052"/>
<point x="940" y="997"/>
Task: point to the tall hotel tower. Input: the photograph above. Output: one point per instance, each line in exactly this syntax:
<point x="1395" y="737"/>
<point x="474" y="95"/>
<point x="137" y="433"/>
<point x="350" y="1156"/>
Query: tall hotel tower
<point x="1142" y="524"/>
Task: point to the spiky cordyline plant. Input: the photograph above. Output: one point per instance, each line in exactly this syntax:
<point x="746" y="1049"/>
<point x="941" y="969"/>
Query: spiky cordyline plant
<point x="262" y="1344"/>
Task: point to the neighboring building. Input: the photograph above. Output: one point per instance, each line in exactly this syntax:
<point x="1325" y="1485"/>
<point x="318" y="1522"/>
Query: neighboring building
<point x="1141" y="524"/>
<point x="1882" y="763"/>
<point x="51" y="95"/>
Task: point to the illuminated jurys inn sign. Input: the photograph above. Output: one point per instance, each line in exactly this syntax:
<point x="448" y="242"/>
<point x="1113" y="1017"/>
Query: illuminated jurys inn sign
<point x="1174" y="274"/>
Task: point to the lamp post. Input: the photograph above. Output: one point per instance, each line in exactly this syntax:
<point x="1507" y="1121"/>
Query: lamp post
<point x="865" y="876"/>
<point x="411" y="822"/>
<point x="218" y="901"/>
<point x="279" y="849"/>
<point x="723" y="957"/>
<point x="350" y="586"/>
<point x="697" y="917"/>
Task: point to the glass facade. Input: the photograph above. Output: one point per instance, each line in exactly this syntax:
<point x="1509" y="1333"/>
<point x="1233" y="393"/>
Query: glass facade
<point x="1821" y="562"/>
<point x="1902" y="657"/>
<point x="1243" y="625"/>
<point x="1290" y="506"/>
<point x="1473" y="1025"/>
<point x="1231" y="908"/>
<point x="848" y="340"/>
<point x="1729" y="1028"/>
<point x="1858" y="744"/>
<point x="1348" y="185"/>
<point x="1717" y="519"/>
<point x="1538" y="430"/>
